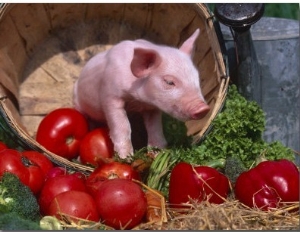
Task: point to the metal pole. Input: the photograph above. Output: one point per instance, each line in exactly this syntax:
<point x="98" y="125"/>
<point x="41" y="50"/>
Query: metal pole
<point x="240" y="17"/>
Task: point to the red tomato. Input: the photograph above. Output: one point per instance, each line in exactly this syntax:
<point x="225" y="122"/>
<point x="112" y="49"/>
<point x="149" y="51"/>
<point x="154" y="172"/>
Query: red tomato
<point x="11" y="161"/>
<point x="56" y="185"/>
<point x="29" y="166"/>
<point x="39" y="159"/>
<point x="60" y="171"/>
<point x="121" y="203"/>
<point x="36" y="179"/>
<point x="38" y="167"/>
<point x="109" y="171"/>
<point x="74" y="203"/>
<point x="56" y="171"/>
<point x="96" y="145"/>
<point x="2" y="146"/>
<point x="61" y="131"/>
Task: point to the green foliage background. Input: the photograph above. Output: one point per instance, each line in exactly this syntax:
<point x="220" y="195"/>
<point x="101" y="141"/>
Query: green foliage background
<point x="278" y="10"/>
<point x="282" y="10"/>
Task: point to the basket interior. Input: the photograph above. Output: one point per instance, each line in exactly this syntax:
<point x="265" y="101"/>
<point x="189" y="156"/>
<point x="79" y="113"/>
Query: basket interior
<point x="44" y="46"/>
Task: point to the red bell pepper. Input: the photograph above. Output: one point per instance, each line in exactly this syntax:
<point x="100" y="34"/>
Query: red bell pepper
<point x="268" y="184"/>
<point x="198" y="183"/>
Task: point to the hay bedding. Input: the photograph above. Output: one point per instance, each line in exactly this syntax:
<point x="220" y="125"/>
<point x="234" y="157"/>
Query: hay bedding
<point x="231" y="215"/>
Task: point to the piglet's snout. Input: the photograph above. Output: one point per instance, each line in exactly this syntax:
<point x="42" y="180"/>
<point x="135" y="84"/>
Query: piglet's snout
<point x="199" y="110"/>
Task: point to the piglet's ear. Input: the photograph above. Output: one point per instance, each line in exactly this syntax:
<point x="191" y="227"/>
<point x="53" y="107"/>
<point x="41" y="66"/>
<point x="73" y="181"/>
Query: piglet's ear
<point x="144" y="62"/>
<point x="188" y="45"/>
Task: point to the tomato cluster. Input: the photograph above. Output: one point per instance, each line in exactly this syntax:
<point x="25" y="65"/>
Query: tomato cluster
<point x="107" y="194"/>
<point x="65" y="132"/>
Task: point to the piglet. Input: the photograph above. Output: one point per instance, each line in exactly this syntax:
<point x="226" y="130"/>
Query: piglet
<point x="143" y="77"/>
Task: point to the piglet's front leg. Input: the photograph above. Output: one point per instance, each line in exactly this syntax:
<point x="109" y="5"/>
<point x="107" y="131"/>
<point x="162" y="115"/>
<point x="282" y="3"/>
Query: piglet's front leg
<point x="120" y="130"/>
<point x="153" y="124"/>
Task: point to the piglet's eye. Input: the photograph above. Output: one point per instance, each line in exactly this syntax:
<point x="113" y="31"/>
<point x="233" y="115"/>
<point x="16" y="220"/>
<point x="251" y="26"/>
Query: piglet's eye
<point x="169" y="82"/>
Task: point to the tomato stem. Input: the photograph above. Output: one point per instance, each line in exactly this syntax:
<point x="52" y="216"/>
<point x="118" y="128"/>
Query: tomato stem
<point x="69" y="139"/>
<point x="112" y="176"/>
<point x="26" y="161"/>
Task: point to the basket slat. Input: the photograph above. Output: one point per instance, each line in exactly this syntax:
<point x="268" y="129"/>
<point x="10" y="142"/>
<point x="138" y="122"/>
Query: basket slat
<point x="31" y="22"/>
<point x="62" y="15"/>
<point x="8" y="75"/>
<point x="12" y="45"/>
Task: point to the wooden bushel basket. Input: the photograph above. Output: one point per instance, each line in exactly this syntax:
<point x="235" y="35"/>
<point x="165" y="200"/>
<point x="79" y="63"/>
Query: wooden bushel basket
<point x="44" y="46"/>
